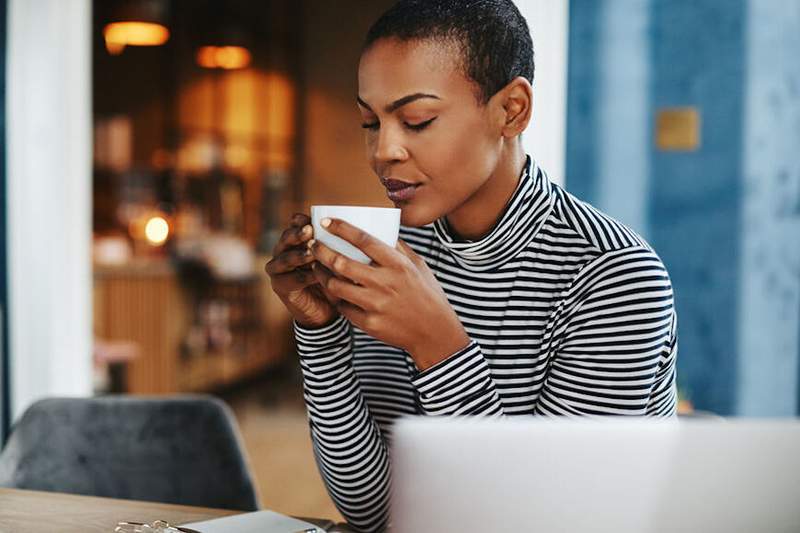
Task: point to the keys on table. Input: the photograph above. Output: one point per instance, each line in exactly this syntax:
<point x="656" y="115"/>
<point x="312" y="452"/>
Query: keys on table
<point x="159" y="526"/>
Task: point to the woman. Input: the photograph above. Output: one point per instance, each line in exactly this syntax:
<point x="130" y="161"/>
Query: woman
<point x="505" y="296"/>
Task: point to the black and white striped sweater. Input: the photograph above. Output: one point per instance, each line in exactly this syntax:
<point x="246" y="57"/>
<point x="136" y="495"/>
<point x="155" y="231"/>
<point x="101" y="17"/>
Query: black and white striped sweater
<point x="568" y="311"/>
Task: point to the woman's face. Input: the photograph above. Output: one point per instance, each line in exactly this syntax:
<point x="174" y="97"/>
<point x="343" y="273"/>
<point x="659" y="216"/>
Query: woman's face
<point x="427" y="138"/>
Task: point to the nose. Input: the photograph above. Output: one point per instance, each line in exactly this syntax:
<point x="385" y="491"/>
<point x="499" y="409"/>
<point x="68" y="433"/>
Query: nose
<point x="389" y="146"/>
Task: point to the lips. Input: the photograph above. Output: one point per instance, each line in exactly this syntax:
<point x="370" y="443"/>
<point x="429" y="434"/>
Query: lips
<point x="399" y="190"/>
<point x="396" y="185"/>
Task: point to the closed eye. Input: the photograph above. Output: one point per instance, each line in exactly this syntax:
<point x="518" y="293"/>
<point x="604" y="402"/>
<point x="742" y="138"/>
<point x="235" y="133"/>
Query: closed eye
<point x="421" y="126"/>
<point x="415" y="127"/>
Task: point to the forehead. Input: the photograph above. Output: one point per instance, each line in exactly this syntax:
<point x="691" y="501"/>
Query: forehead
<point x="391" y="69"/>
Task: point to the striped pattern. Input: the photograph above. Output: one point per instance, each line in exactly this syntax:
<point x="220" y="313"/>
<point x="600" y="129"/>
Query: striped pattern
<point x="569" y="312"/>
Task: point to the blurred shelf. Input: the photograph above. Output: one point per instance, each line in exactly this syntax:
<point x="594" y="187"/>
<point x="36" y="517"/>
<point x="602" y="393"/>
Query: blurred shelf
<point x="146" y="305"/>
<point x="215" y="370"/>
<point x="139" y="268"/>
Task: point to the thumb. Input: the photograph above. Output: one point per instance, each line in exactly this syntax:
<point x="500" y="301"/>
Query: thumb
<point x="406" y="250"/>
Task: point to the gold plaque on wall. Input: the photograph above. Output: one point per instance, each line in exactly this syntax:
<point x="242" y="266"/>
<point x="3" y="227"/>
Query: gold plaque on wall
<point x="678" y="129"/>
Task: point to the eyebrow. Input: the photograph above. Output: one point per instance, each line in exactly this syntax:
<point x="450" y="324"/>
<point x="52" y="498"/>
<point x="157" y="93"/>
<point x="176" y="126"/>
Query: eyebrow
<point x="397" y="104"/>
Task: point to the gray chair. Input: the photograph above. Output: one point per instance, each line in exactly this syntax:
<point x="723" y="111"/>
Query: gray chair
<point x="183" y="450"/>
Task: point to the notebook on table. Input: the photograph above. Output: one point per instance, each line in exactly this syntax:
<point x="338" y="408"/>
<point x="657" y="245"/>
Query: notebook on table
<point x="256" y="522"/>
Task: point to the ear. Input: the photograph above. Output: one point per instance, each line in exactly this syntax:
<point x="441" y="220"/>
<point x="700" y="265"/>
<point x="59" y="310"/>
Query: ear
<point x="516" y="102"/>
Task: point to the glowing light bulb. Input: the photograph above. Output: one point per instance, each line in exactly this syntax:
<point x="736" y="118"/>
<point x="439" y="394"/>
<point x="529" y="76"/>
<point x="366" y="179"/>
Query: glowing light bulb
<point x="224" y="57"/>
<point x="156" y="231"/>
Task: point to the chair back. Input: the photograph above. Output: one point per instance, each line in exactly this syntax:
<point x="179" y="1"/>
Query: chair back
<point x="184" y="450"/>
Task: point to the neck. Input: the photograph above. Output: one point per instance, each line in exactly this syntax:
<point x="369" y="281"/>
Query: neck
<point x="476" y="217"/>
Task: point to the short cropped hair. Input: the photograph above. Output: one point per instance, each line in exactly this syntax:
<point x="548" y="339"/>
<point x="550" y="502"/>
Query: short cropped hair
<point x="492" y="36"/>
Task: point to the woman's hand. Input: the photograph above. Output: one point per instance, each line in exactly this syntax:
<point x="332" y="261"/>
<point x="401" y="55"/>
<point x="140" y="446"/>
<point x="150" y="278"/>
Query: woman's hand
<point x="292" y="279"/>
<point x="395" y="299"/>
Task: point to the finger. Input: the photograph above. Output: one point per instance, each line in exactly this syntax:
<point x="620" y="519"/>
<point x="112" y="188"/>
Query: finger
<point x="343" y="289"/>
<point x="343" y="266"/>
<point x="288" y="261"/>
<point x="321" y="275"/>
<point x="299" y="220"/>
<point x="293" y="236"/>
<point x="330" y="297"/>
<point x="353" y="313"/>
<point x="293" y="281"/>
<point x="377" y="250"/>
<point x="296" y="233"/>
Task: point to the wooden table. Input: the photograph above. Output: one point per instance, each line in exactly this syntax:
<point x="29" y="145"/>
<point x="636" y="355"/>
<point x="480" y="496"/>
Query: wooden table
<point x="28" y="511"/>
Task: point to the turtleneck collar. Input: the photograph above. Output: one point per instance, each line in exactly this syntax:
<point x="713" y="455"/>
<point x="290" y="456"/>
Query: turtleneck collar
<point x="524" y="214"/>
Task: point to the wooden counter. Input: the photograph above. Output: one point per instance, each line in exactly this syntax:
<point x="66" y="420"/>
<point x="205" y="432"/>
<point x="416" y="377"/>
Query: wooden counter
<point x="144" y="303"/>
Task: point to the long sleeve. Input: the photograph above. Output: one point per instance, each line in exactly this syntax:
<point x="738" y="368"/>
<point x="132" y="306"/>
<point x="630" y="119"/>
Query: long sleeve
<point x="348" y="444"/>
<point x="614" y="354"/>
<point x="460" y="385"/>
<point x="617" y="342"/>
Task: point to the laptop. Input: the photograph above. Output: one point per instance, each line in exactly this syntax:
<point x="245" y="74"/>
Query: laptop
<point x="533" y="475"/>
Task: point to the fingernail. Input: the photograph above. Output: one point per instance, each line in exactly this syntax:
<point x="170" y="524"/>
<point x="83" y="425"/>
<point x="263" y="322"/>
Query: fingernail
<point x="306" y="229"/>
<point x="325" y="222"/>
<point x="311" y="243"/>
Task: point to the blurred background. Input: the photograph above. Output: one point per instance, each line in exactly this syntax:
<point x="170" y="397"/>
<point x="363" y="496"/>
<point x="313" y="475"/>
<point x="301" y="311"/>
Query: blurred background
<point x="154" y="149"/>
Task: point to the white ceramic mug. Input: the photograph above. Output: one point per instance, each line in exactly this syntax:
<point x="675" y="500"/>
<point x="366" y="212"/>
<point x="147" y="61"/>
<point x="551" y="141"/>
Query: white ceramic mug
<point x="383" y="223"/>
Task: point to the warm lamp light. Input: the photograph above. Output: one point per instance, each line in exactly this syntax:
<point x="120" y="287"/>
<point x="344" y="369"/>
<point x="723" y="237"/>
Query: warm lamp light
<point x="136" y="23"/>
<point x="156" y="231"/>
<point x="118" y="35"/>
<point x="224" y="57"/>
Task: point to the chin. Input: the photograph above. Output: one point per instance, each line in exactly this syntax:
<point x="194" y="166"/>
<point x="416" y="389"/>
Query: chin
<point x="415" y="216"/>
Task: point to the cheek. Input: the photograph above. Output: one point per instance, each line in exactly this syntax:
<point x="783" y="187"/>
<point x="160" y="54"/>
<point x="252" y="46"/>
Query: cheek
<point x="458" y="161"/>
<point x="460" y="156"/>
<point x="465" y="141"/>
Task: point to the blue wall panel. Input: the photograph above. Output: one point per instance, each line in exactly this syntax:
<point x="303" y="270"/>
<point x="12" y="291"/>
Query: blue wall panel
<point x="697" y="55"/>
<point x="692" y="200"/>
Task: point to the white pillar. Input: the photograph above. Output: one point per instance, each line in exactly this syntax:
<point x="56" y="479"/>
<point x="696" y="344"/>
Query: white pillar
<point x="546" y="136"/>
<point x="48" y="110"/>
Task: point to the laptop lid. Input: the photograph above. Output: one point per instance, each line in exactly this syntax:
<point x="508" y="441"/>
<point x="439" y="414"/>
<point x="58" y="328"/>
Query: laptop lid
<point x="528" y="474"/>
